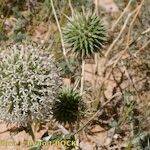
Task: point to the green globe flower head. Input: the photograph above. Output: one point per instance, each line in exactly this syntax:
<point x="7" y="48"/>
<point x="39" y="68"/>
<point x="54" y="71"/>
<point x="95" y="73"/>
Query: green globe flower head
<point x="29" y="83"/>
<point x="84" y="34"/>
<point x="69" y="106"/>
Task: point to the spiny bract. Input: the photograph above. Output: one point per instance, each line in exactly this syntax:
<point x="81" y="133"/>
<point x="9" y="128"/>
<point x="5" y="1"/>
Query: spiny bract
<point x="85" y="34"/>
<point x="69" y="106"/>
<point x="29" y="83"/>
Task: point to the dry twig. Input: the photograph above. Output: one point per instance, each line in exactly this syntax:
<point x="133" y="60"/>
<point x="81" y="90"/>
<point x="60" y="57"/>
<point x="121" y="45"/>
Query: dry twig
<point x="136" y="11"/>
<point x="124" y="11"/>
<point x="119" y="35"/>
<point x="60" y="32"/>
<point x="97" y="113"/>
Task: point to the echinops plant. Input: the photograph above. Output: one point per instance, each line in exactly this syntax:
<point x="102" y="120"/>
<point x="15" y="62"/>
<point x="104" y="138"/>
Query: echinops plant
<point x="29" y="83"/>
<point x="69" y="106"/>
<point x="84" y="34"/>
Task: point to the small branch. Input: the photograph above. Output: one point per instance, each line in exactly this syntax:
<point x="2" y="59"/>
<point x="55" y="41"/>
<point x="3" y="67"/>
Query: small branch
<point x="58" y="25"/>
<point x="131" y="81"/>
<point x="96" y="114"/>
<point x="132" y="22"/>
<point x="143" y="47"/>
<point x="137" y="10"/>
<point x="146" y="31"/>
<point x="64" y="131"/>
<point x="61" y="36"/>
<point x="76" y="84"/>
<point x="131" y="43"/>
<point x="71" y="8"/>
<point x="118" y="37"/>
<point x="139" y="37"/>
<point x="124" y="11"/>
<point x="96" y="6"/>
<point x="118" y="82"/>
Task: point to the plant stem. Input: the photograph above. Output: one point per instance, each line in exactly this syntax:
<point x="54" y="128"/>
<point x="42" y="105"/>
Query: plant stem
<point x="61" y="36"/>
<point x="82" y="77"/>
<point x="30" y="131"/>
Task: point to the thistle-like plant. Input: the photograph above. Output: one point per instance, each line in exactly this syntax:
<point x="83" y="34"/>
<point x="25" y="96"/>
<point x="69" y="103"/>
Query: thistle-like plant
<point x="69" y="106"/>
<point x="84" y="34"/>
<point x="29" y="83"/>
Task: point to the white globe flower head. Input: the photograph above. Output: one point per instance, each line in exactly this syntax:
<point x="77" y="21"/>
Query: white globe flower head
<point x="29" y="83"/>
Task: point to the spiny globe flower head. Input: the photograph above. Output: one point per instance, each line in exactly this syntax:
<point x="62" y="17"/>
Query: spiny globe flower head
<point x="69" y="106"/>
<point x="29" y="83"/>
<point x="84" y="34"/>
